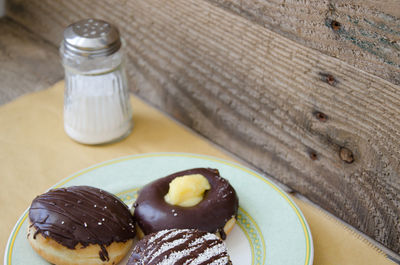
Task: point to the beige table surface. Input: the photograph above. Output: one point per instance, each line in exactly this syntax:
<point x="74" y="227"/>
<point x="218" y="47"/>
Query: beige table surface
<point x="35" y="153"/>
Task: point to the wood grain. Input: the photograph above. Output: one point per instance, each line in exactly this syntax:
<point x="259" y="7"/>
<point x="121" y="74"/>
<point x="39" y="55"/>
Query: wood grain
<point x="27" y="63"/>
<point x="365" y="34"/>
<point x="321" y="126"/>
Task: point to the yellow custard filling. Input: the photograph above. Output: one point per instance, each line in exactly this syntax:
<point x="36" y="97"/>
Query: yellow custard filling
<point x="187" y="191"/>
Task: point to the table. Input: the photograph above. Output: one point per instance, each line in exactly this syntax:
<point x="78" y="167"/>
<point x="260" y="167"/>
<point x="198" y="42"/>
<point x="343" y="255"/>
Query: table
<point x="35" y="153"/>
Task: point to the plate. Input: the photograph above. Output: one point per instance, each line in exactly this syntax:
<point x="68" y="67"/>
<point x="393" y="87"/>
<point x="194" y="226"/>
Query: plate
<point x="270" y="229"/>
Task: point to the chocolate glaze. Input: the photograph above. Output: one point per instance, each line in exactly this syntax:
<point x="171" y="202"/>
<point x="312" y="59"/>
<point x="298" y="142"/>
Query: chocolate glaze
<point x="219" y="205"/>
<point x="178" y="247"/>
<point x="82" y="214"/>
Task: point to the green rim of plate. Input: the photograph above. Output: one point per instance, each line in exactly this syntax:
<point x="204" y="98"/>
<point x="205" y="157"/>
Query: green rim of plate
<point x="243" y="218"/>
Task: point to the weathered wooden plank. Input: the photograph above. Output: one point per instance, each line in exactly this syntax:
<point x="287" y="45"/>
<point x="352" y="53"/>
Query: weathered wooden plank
<point x="2" y="8"/>
<point x="27" y="63"/>
<point x="319" y="125"/>
<point x="365" y="34"/>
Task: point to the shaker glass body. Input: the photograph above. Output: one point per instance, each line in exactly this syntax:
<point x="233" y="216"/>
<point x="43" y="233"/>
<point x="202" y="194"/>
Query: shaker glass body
<point x="97" y="109"/>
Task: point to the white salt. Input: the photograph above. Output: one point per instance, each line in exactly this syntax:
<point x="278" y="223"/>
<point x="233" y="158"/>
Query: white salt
<point x="97" y="110"/>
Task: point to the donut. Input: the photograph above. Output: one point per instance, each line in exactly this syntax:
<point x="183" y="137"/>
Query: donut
<point x="215" y="213"/>
<point x="80" y="225"/>
<point x="180" y="246"/>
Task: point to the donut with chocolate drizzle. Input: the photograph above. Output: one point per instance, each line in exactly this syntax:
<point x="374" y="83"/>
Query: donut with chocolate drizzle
<point x="218" y="206"/>
<point x="79" y="216"/>
<point x="178" y="247"/>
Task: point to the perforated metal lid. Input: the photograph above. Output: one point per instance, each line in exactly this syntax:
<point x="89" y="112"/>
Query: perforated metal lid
<point x="91" y="37"/>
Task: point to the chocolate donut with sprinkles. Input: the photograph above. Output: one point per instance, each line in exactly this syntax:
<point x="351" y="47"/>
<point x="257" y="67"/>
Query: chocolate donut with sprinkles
<point x="180" y="247"/>
<point x="80" y="225"/>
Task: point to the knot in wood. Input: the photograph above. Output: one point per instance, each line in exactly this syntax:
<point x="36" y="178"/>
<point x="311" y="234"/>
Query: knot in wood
<point x="313" y="155"/>
<point x="321" y="116"/>
<point x="330" y="79"/>
<point x="346" y="155"/>
<point x="335" y="25"/>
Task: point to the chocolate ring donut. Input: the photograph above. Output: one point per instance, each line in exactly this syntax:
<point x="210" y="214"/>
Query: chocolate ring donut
<point x="218" y="207"/>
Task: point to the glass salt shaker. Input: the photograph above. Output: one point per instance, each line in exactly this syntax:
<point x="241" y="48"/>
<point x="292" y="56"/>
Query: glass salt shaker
<point x="97" y="109"/>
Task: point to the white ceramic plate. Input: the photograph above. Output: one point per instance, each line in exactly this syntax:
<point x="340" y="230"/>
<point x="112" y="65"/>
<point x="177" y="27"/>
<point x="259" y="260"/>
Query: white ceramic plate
<point x="270" y="230"/>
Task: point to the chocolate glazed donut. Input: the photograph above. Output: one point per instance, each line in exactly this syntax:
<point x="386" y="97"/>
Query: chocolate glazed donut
<point x="81" y="215"/>
<point x="178" y="247"/>
<point x="218" y="206"/>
